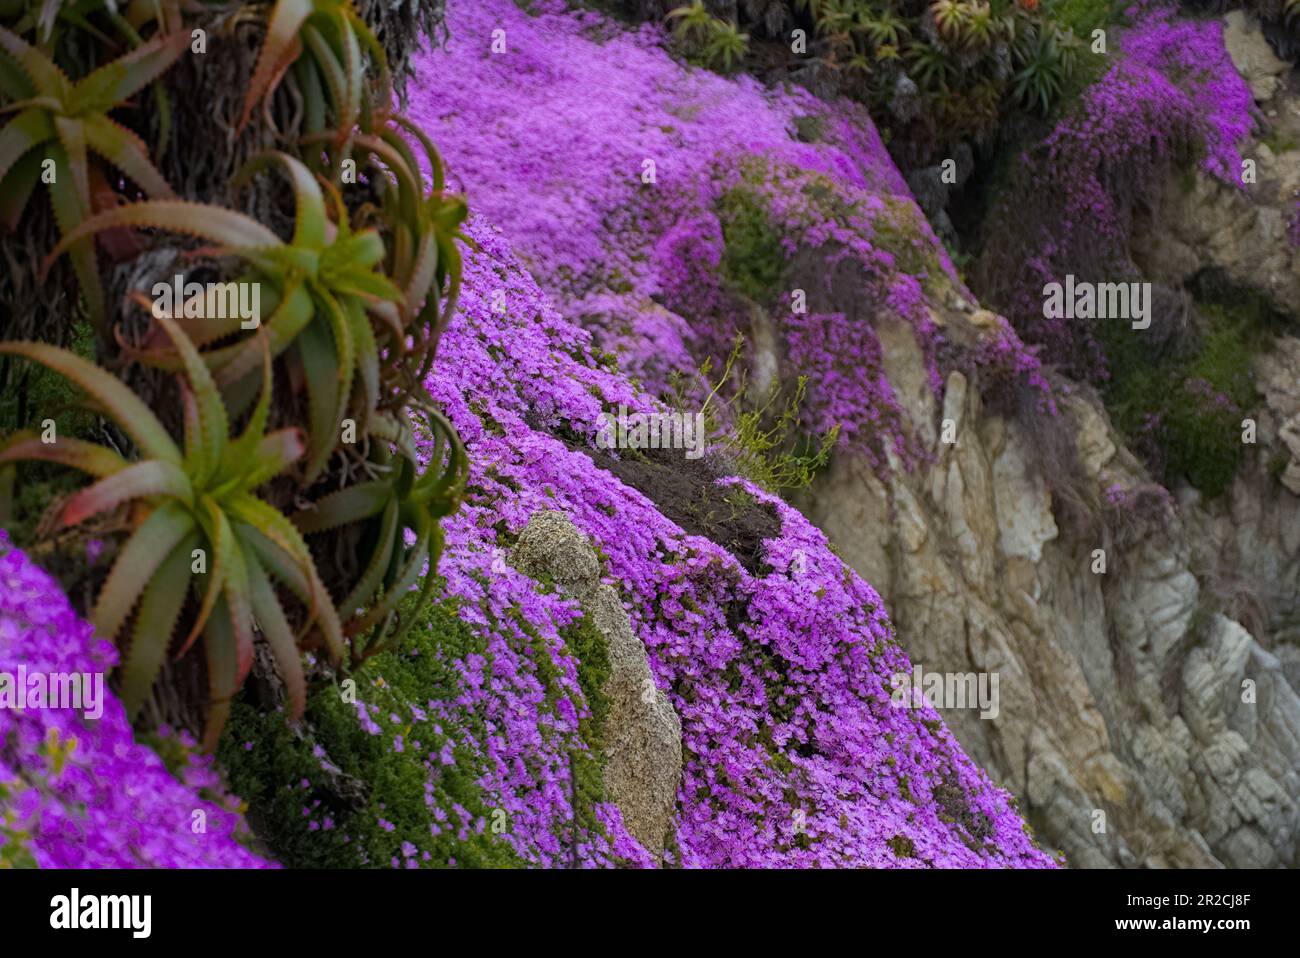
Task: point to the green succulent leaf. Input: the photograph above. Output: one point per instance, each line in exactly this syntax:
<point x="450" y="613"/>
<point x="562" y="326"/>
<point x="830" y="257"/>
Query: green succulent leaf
<point x="88" y="457"/>
<point x="136" y="418"/>
<point x="155" y="624"/>
<point x="143" y="480"/>
<point x="279" y="636"/>
<point x="126" y="76"/>
<point x="26" y="131"/>
<point x="127" y="152"/>
<point x="353" y="504"/>
<point x="278" y="49"/>
<point x="139" y="559"/>
<point x="219" y="644"/>
<point x="380" y="559"/>
<point x="281" y="533"/>
<point x="235" y="230"/>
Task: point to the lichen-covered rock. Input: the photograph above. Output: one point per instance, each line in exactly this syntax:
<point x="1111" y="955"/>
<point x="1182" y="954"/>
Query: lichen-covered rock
<point x="642" y="734"/>
<point x="551" y="545"/>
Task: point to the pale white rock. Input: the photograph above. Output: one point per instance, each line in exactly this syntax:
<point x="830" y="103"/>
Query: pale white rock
<point x="1024" y="506"/>
<point x="1252" y="55"/>
<point x="642" y="731"/>
<point x="1117" y="693"/>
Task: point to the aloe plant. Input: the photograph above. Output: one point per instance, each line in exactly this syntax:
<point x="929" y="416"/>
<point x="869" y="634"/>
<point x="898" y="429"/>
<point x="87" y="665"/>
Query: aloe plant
<point x="425" y="231"/>
<point x="884" y="29"/>
<point x="951" y="19"/>
<point x="353" y="305"/>
<point x="43" y="17"/>
<point x="334" y="36"/>
<point x="726" y="45"/>
<point x="716" y="40"/>
<point x="1040" y="79"/>
<point x="693" y="22"/>
<point x="55" y="120"/>
<point x="201" y="497"/>
<point x="403" y="499"/>
<point x="319" y="285"/>
<point x="930" y="67"/>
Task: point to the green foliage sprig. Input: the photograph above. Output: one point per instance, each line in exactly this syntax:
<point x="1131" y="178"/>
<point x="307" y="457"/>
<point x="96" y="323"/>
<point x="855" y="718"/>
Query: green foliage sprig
<point x="710" y="39"/>
<point x="759" y="434"/>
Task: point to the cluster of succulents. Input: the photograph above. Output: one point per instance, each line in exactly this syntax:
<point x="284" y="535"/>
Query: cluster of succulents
<point x="933" y="72"/>
<point x="259" y="479"/>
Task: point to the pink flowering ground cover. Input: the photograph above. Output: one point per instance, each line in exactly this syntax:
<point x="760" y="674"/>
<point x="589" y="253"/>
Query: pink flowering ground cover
<point x="81" y="793"/>
<point x="755" y="193"/>
<point x="1170" y="96"/>
<point x="795" y="755"/>
<point x="470" y="743"/>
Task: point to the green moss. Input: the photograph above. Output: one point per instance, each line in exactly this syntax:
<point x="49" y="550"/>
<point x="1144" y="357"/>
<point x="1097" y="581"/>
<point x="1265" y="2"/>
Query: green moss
<point x="16" y="850"/>
<point x="1081" y="16"/>
<point x="1204" y="442"/>
<point x="31" y="391"/>
<point x="905" y="790"/>
<point x="34" y="491"/>
<point x="753" y="260"/>
<point x="589" y="647"/>
<point x="900" y="229"/>
<point x="267" y="762"/>
<point x="809" y="128"/>
<point x="1278" y="142"/>
<point x="1160" y="403"/>
<point x="902" y="846"/>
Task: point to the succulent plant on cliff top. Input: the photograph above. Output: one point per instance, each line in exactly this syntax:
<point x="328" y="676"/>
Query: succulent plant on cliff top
<point x="332" y="75"/>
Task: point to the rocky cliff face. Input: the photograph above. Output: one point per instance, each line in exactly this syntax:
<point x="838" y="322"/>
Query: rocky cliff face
<point x="1161" y="693"/>
<point x="1139" y="694"/>
<point x="1148" y="711"/>
<point x="1124" y="693"/>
